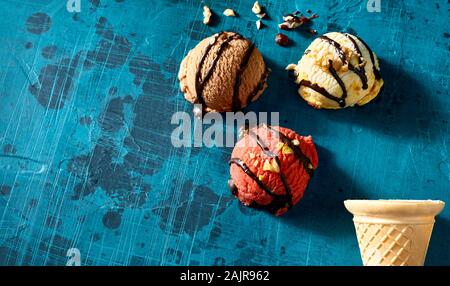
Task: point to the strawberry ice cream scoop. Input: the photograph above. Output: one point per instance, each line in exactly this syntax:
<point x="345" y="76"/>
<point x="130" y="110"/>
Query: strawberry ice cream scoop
<point x="270" y="168"/>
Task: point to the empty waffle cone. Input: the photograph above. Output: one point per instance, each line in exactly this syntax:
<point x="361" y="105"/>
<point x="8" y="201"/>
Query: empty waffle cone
<point x="393" y="232"/>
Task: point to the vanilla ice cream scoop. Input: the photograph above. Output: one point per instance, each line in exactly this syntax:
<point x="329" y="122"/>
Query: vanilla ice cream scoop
<point x="224" y="72"/>
<point x="336" y="71"/>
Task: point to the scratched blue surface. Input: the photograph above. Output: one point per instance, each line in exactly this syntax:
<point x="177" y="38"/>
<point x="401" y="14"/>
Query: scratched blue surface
<point x="86" y="160"/>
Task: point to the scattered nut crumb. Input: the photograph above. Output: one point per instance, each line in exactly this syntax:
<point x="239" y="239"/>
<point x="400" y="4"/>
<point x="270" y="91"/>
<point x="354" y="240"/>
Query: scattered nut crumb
<point x="255" y="164"/>
<point x="261" y="15"/>
<point x="310" y="166"/>
<point x="287" y="150"/>
<point x="279" y="146"/>
<point x="291" y="67"/>
<point x="261" y="177"/>
<point x="267" y="166"/>
<point x="259" y="24"/>
<point x="229" y="13"/>
<point x="271" y="167"/>
<point x="256" y="8"/>
<point x="275" y="166"/>
<point x="207" y="14"/>
<point x="292" y="21"/>
<point x="281" y="39"/>
<point x="295" y="142"/>
<point x="251" y="155"/>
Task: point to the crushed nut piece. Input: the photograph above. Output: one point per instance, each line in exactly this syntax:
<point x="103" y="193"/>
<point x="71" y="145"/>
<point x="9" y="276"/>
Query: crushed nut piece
<point x="291" y="67"/>
<point x="207" y="14"/>
<point x="275" y="166"/>
<point x="295" y="142"/>
<point x="261" y="177"/>
<point x="229" y="13"/>
<point x="256" y="8"/>
<point x="267" y="166"/>
<point x="259" y="24"/>
<point x="310" y="166"/>
<point x="287" y="150"/>
<point x="271" y="167"/>
<point x="279" y="146"/>
<point x="251" y="155"/>
<point x="261" y="15"/>
<point x="292" y="21"/>
<point x="255" y="164"/>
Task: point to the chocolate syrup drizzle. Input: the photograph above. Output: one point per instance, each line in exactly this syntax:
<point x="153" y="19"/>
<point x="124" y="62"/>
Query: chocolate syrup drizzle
<point x="200" y="83"/>
<point x="237" y="83"/>
<point x="340" y="82"/>
<point x="359" y="71"/>
<point x="278" y="201"/>
<point x="322" y="91"/>
<point x="259" y="86"/>
<point x="376" y="71"/>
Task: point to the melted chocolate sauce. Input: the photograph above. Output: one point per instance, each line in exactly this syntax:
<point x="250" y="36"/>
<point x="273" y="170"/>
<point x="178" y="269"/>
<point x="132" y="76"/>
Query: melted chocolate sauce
<point x="376" y="71"/>
<point x="237" y="83"/>
<point x="340" y="82"/>
<point x="338" y="48"/>
<point x="357" y="49"/>
<point x="252" y="175"/>
<point x="359" y="71"/>
<point x="322" y="91"/>
<point x="200" y="83"/>
<point x="259" y="86"/>
<point x="199" y="70"/>
<point x="306" y="162"/>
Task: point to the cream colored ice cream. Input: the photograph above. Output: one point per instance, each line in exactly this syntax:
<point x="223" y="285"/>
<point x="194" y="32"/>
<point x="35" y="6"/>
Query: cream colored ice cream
<point x="393" y="232"/>
<point x="224" y="72"/>
<point x="338" y="70"/>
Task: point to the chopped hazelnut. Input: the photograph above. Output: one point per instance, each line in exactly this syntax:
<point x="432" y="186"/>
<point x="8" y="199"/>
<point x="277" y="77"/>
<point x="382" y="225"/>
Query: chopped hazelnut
<point x="279" y="146"/>
<point x="295" y="142"/>
<point x="271" y="167"/>
<point x="275" y="166"/>
<point x="267" y="166"/>
<point x="259" y="24"/>
<point x="207" y="14"/>
<point x="229" y="13"/>
<point x="286" y="150"/>
<point x="256" y="8"/>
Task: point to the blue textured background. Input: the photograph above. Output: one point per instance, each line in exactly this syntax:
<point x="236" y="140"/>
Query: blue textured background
<point x="86" y="160"/>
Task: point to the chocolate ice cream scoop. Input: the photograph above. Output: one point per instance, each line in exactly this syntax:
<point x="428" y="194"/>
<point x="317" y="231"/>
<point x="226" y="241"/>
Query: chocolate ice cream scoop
<point x="224" y="72"/>
<point x="338" y="70"/>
